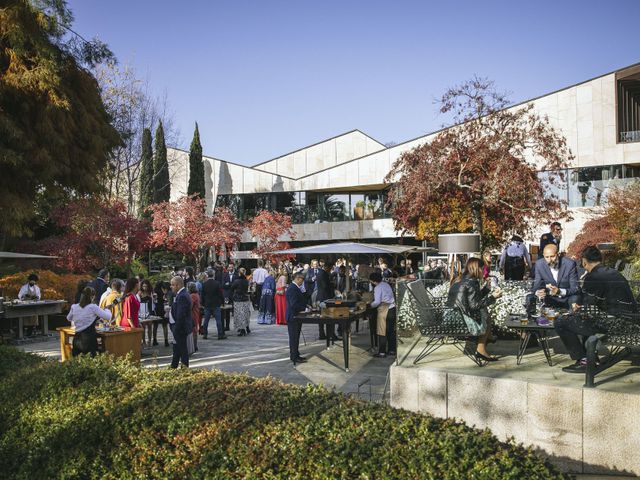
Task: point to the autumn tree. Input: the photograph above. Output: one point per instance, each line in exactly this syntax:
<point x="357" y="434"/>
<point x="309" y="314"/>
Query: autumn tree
<point x="196" y="167"/>
<point x="95" y="233"/>
<point x="594" y="231"/>
<point x="483" y="169"/>
<point x="146" y="173"/>
<point x="270" y="230"/>
<point x="55" y="134"/>
<point x="623" y="213"/>
<point x="183" y="227"/>
<point x="161" y="182"/>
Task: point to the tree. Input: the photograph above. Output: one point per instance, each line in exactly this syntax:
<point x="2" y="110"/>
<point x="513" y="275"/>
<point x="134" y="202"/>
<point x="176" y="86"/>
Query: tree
<point x="161" y="182"/>
<point x="594" y="231"/>
<point x="183" y="227"/>
<point x="623" y="213"/>
<point x="146" y="173"/>
<point x="196" y="167"/>
<point x="484" y="167"/>
<point x="55" y="135"/>
<point x="95" y="233"/>
<point x="268" y="227"/>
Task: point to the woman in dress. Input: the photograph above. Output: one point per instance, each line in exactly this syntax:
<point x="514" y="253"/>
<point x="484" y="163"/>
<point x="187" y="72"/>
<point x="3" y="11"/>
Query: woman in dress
<point x="83" y="317"/>
<point x="131" y="305"/>
<point x="267" y="305"/>
<point x="241" y="303"/>
<point x="281" y="300"/>
<point x="466" y="295"/>
<point x="196" y="316"/>
<point x="160" y="292"/>
<point x="145" y="297"/>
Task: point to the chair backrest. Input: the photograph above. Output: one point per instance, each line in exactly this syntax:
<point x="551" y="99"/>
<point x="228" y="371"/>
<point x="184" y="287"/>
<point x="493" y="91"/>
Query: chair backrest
<point x="420" y="293"/>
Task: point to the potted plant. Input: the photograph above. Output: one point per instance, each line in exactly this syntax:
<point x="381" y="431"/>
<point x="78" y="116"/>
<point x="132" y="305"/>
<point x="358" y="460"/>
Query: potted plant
<point x="368" y="214"/>
<point x="358" y="210"/>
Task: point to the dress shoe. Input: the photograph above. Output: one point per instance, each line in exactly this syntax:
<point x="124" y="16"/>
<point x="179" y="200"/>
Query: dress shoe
<point x="248" y="330"/>
<point x="480" y="356"/>
<point x="300" y="360"/>
<point x="155" y="343"/>
<point x="241" y="333"/>
<point x="222" y="337"/>
<point x="391" y="354"/>
<point x="166" y="343"/>
<point x="579" y="367"/>
<point x="335" y="338"/>
<point x="380" y="355"/>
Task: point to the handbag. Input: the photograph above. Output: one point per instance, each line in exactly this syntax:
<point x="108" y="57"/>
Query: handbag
<point x="475" y="329"/>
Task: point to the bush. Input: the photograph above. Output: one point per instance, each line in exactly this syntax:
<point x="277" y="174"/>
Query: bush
<point x="102" y="418"/>
<point x="53" y="286"/>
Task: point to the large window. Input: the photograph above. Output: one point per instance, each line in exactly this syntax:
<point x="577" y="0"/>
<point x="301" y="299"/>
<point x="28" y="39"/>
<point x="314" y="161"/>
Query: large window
<point x="628" y="102"/>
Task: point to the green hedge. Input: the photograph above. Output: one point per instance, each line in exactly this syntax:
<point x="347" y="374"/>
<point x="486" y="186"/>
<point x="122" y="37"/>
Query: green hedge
<point x="108" y="419"/>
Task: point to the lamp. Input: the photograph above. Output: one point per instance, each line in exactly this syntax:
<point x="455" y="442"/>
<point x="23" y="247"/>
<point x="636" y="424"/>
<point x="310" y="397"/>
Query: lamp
<point x="455" y="243"/>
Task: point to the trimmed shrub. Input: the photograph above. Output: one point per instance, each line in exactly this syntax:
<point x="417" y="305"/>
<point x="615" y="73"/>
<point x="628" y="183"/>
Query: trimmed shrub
<point x="102" y="418"/>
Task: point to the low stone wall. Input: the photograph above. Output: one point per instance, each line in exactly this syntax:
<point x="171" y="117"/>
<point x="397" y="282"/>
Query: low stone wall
<point x="580" y="430"/>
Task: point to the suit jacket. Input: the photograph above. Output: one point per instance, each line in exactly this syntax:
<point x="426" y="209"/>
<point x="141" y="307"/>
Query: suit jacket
<point x="181" y="312"/>
<point x="227" y="280"/>
<point x="100" y="286"/>
<point x="296" y="301"/>
<point x="323" y="281"/>
<point x="309" y="283"/>
<point x="211" y="294"/>
<point x="545" y="240"/>
<point x="567" y="276"/>
<point x="607" y="288"/>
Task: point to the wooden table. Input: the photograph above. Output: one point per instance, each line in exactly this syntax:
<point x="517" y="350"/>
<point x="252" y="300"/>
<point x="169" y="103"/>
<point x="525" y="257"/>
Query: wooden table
<point x="41" y="308"/>
<point x="118" y="343"/>
<point x="345" y="323"/>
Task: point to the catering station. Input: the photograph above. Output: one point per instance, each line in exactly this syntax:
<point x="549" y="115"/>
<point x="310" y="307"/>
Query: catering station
<point x="18" y="310"/>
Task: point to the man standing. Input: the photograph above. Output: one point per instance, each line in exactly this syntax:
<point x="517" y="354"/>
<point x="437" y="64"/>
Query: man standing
<point x="310" y="279"/>
<point x="604" y="287"/>
<point x="296" y="303"/>
<point x="227" y="279"/>
<point x="556" y="279"/>
<point x="514" y="258"/>
<point x="180" y="322"/>
<point x="212" y="300"/>
<point x="100" y="284"/>
<point x="259" y="274"/>
<point x="551" y="238"/>
<point x="386" y="321"/>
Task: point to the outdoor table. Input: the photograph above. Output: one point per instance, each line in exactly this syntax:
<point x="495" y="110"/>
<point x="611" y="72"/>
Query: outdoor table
<point x="541" y="332"/>
<point x="149" y="319"/>
<point x="118" y="343"/>
<point x="225" y="311"/>
<point x="331" y="322"/>
<point x="31" y="308"/>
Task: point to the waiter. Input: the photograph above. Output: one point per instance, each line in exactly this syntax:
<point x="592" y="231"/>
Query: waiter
<point x="30" y="291"/>
<point x="554" y="237"/>
<point x="386" y="321"/>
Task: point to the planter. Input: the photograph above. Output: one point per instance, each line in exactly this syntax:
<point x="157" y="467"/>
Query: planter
<point x="358" y="213"/>
<point x="368" y="214"/>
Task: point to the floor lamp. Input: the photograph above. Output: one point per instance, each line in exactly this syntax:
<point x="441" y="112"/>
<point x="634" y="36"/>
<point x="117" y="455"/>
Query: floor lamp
<point x="454" y="244"/>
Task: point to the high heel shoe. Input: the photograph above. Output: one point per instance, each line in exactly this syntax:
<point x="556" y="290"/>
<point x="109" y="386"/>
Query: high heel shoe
<point x="480" y="356"/>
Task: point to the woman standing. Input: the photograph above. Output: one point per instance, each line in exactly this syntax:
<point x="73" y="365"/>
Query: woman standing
<point x="281" y="300"/>
<point x="145" y="297"/>
<point x="196" y="316"/>
<point x="160" y="293"/>
<point x="131" y="305"/>
<point x="267" y="306"/>
<point x="83" y="317"/>
<point x="113" y="301"/>
<point x="241" y="303"/>
<point x="472" y="301"/>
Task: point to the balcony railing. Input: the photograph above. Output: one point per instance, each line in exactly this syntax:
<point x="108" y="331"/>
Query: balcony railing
<point x="628" y="137"/>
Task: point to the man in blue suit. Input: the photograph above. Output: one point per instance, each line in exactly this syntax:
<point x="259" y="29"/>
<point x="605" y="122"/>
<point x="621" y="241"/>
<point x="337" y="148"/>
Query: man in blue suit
<point x="556" y="279"/>
<point x="180" y="322"/>
<point x="296" y="303"/>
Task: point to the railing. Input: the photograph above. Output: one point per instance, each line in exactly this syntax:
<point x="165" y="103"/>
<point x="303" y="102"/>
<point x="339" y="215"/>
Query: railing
<point x="628" y="137"/>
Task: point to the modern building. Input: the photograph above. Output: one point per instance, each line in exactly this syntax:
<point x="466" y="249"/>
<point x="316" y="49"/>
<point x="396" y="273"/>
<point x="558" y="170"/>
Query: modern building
<point x="335" y="190"/>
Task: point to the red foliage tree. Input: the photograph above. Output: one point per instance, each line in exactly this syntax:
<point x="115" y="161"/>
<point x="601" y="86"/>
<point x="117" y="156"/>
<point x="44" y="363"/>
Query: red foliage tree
<point x="269" y="228"/>
<point x="483" y="167"/>
<point x="184" y="227"/>
<point x="96" y="233"/>
<point x="594" y="231"/>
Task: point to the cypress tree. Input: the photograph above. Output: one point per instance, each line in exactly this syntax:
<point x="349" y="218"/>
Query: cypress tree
<point x="146" y="174"/>
<point x="196" y="166"/>
<point x="161" y="183"/>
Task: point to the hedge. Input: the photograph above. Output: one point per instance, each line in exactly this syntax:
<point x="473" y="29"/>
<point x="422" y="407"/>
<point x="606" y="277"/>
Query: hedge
<point x="102" y="418"/>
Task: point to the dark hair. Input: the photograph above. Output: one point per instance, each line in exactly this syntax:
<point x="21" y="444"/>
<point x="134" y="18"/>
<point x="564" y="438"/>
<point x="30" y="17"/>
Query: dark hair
<point x="130" y="285"/>
<point x="189" y="271"/>
<point x="555" y="224"/>
<point x="103" y="273"/>
<point x="242" y="273"/>
<point x="210" y="273"/>
<point x="87" y="296"/>
<point x="33" y="277"/>
<point x="148" y="284"/>
<point x="518" y="238"/>
<point x="260" y="263"/>
<point x="375" y="277"/>
<point x="298" y="275"/>
<point x="591" y="254"/>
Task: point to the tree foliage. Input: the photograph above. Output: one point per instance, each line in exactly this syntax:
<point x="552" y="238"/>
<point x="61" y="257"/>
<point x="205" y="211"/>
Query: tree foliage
<point x="482" y="168"/>
<point x="183" y="227"/>
<point x="161" y="182"/>
<point x="268" y="228"/>
<point x="196" y="167"/>
<point x="623" y="213"/>
<point x="146" y="173"/>
<point x="594" y="231"/>
<point x="55" y="135"/>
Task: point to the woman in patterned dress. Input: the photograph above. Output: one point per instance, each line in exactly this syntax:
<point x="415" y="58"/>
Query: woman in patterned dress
<point x="241" y="303"/>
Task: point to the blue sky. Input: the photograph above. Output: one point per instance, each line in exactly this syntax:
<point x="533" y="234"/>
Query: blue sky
<point x="263" y="78"/>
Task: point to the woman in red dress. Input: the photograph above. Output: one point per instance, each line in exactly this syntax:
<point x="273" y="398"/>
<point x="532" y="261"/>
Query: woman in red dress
<point x="195" y="312"/>
<point x="131" y="305"/>
<point x="281" y="300"/>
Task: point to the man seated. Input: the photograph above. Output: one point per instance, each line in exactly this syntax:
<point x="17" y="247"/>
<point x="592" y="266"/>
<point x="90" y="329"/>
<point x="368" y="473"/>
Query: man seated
<point x="556" y="279"/>
<point x="603" y="287"/>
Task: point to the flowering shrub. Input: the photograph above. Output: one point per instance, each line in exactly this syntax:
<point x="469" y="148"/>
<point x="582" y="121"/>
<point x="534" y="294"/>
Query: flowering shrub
<point x="102" y="418"/>
<point x="53" y="286"/>
<point x="511" y="301"/>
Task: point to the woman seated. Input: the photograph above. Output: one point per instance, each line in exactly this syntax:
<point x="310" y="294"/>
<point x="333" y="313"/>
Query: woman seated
<point x="83" y="317"/>
<point x="472" y="301"/>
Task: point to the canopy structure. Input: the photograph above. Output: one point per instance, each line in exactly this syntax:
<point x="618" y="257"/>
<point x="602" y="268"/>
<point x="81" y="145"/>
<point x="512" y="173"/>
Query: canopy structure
<point x="352" y="248"/>
<point x="22" y="256"/>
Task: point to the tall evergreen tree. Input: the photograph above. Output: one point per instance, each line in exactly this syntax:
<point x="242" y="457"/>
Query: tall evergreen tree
<point x="146" y="174"/>
<point x="161" y="183"/>
<point x="196" y="166"/>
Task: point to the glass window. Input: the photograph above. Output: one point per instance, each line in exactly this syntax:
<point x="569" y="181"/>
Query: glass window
<point x="334" y="207"/>
<point x="375" y="204"/>
<point x="358" y="206"/>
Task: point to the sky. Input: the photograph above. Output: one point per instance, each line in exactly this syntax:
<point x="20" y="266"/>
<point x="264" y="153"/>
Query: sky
<point x="266" y="77"/>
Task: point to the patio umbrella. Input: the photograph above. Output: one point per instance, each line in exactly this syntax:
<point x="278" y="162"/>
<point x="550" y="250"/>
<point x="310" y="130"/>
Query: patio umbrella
<point x="23" y="256"/>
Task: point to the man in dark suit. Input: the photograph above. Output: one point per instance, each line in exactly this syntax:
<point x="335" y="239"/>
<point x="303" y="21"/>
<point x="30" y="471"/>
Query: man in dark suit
<point x="211" y="300"/>
<point x="553" y="237"/>
<point x="180" y="322"/>
<point x="227" y="279"/>
<point x="296" y="303"/>
<point x="603" y="287"/>
<point x="324" y="291"/>
<point x="310" y="278"/>
<point x="556" y="279"/>
<point x="100" y="284"/>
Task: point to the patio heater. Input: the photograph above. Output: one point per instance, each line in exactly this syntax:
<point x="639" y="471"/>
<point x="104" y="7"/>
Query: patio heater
<point x="454" y="244"/>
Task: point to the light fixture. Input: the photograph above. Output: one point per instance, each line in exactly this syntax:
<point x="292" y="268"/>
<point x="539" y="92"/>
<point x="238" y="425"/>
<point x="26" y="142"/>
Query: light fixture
<point x="458" y="243"/>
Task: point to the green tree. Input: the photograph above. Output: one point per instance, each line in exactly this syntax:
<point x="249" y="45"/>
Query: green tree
<point x="146" y="174"/>
<point x="55" y="134"/>
<point x="161" y="183"/>
<point x="196" y="166"/>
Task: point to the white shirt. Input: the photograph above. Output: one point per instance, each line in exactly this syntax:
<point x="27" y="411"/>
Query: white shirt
<point x="104" y="295"/>
<point x="383" y="293"/>
<point x="82" y="318"/>
<point x="554" y="273"/>
<point x="259" y="274"/>
<point x="29" y="290"/>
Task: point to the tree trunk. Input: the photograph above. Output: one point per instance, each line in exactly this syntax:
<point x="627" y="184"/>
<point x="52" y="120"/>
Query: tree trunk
<point x="476" y="219"/>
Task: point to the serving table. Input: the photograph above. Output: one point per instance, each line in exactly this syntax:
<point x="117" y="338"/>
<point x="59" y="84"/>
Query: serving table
<point x="118" y="343"/>
<point x="31" y="308"/>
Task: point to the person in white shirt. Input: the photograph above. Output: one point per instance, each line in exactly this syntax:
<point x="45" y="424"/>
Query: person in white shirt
<point x="83" y="317"/>
<point x="30" y="291"/>
<point x="384" y="301"/>
<point x="258" y="276"/>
